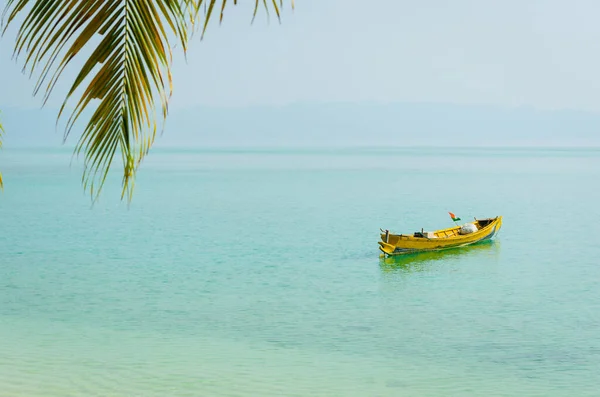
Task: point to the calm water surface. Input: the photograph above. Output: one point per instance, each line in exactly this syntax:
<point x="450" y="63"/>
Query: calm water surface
<point x="256" y="273"/>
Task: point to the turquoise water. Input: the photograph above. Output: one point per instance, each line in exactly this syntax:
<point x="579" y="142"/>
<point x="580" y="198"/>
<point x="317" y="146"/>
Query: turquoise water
<point x="256" y="273"/>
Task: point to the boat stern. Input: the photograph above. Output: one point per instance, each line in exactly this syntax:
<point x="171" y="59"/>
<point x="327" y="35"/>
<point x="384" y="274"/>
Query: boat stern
<point x="387" y="249"/>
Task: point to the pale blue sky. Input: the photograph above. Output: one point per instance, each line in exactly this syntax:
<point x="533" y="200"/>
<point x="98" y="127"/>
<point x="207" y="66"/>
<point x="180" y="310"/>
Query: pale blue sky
<point x="540" y="53"/>
<point x="537" y="56"/>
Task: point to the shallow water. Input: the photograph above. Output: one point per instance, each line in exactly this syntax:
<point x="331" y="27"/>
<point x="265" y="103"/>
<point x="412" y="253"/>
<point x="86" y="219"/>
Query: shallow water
<point x="256" y="272"/>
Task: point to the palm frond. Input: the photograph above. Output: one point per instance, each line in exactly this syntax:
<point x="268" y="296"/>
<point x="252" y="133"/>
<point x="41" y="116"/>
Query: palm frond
<point x="123" y="80"/>
<point x="197" y="6"/>
<point x="123" y="75"/>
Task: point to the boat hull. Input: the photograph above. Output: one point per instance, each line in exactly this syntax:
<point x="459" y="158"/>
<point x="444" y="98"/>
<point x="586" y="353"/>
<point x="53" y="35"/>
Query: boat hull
<point x="393" y="244"/>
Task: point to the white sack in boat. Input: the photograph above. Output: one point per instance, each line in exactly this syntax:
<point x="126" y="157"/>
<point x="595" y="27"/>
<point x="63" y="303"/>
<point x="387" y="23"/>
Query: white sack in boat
<point x="468" y="228"/>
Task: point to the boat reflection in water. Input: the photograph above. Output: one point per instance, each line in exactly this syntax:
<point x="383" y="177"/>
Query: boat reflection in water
<point x="418" y="261"/>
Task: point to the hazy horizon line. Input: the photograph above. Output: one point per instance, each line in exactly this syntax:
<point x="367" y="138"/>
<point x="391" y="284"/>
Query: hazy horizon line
<point x="4" y="108"/>
<point x="199" y="148"/>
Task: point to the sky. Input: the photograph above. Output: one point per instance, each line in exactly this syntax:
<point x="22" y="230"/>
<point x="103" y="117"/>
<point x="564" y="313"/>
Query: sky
<point x="533" y="54"/>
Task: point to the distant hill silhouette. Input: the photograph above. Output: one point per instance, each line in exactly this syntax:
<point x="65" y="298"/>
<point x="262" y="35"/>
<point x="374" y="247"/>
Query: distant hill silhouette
<point x="340" y="124"/>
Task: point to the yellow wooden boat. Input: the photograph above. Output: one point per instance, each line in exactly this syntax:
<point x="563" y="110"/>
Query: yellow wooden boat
<point x="458" y="236"/>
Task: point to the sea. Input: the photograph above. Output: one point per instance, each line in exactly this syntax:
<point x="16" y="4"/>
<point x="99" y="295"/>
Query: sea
<point x="256" y="272"/>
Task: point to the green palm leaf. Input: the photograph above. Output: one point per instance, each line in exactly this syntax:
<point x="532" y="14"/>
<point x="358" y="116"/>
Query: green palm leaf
<point x="125" y="79"/>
